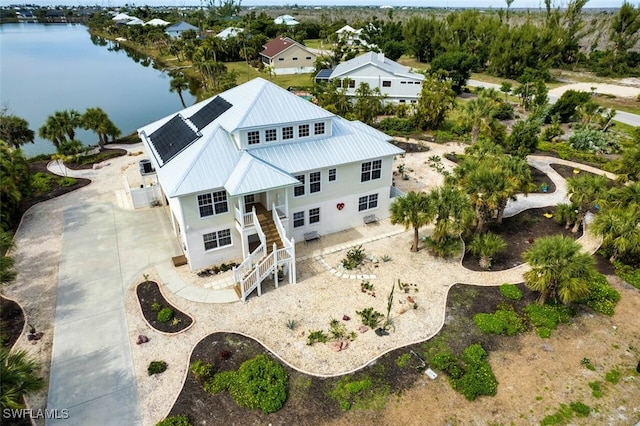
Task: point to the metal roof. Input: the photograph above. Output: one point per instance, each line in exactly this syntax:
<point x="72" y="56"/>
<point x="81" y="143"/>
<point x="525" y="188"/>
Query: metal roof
<point x="377" y="60"/>
<point x="254" y="175"/>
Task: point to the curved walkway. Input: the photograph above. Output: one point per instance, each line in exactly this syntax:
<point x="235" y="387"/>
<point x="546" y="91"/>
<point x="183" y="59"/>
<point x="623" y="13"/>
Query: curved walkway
<point x="102" y="251"/>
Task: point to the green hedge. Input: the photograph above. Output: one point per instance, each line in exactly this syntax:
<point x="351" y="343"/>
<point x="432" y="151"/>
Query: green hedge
<point x="501" y="322"/>
<point x="545" y="318"/>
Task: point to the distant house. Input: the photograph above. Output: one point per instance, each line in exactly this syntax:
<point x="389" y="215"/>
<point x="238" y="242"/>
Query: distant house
<point x="56" y="15"/>
<point x="135" y="21"/>
<point x="122" y="18"/>
<point x="351" y="36"/>
<point x="256" y="168"/>
<point x="397" y="82"/>
<point x="157" y="23"/>
<point x="286" y="56"/>
<point x="229" y="32"/>
<point x="178" y="28"/>
<point x="286" y="20"/>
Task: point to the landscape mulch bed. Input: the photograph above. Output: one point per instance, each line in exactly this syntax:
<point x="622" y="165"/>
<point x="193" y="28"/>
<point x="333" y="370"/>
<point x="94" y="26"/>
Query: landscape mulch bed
<point x="11" y="322"/>
<point x="567" y="173"/>
<point x="519" y="232"/>
<point x="149" y="293"/>
<point x="538" y="177"/>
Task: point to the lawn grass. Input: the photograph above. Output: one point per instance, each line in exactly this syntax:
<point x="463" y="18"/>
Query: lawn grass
<point x="249" y="73"/>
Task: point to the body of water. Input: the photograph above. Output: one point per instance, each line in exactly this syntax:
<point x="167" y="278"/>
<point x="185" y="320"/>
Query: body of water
<point x="53" y="67"/>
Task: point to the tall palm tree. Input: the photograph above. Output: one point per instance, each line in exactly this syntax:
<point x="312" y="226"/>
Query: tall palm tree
<point x="585" y="192"/>
<point x="60" y="126"/>
<point x="178" y="84"/>
<point x="94" y="119"/>
<point x="559" y="269"/>
<point x="69" y="120"/>
<point x="620" y="231"/>
<point x="567" y="214"/>
<point x="453" y="212"/>
<point x="18" y="377"/>
<point x="485" y="246"/>
<point x="478" y="114"/>
<point x="413" y="210"/>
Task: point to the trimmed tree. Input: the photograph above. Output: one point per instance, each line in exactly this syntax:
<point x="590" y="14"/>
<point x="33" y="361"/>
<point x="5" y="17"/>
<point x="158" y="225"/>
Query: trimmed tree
<point x="412" y="210"/>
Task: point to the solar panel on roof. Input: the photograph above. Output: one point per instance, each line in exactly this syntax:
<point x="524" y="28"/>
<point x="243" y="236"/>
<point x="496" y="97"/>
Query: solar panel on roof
<point x="210" y="112"/>
<point x="174" y="136"/>
<point x="324" y="74"/>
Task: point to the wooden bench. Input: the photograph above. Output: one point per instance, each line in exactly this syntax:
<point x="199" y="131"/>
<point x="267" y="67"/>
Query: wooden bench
<point x="370" y="218"/>
<point x="311" y="236"/>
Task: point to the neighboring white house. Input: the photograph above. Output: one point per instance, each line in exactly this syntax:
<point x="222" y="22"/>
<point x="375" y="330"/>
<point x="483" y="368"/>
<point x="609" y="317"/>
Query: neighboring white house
<point x="178" y="28"/>
<point x="229" y="32"/>
<point x="399" y="83"/>
<point x="257" y="166"/>
<point x="286" y="20"/>
<point x="157" y="22"/>
<point x="351" y="36"/>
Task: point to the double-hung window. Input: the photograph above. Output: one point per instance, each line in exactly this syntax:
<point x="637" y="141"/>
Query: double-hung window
<point x="299" y="190"/>
<point x="217" y="239"/>
<point x="368" y="202"/>
<point x="314" y="215"/>
<point x="213" y="203"/>
<point x="314" y="182"/>
<point x="332" y="175"/>
<point x="298" y="219"/>
<point x="371" y="170"/>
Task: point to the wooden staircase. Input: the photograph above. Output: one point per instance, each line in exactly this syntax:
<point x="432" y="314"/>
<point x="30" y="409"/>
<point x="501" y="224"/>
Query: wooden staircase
<point x="268" y="227"/>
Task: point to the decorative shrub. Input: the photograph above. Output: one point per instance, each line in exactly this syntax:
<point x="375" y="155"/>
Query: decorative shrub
<point x="41" y="182"/>
<point x="580" y="409"/>
<point x="628" y="274"/>
<point x="588" y="139"/>
<point x="355" y="257"/>
<point x="155" y="306"/>
<point x="220" y="382"/>
<point x="316" y="336"/>
<point x="369" y="317"/>
<point x="402" y="125"/>
<point x="511" y="291"/>
<point x="473" y="377"/>
<point x="346" y="390"/>
<point x="180" y="420"/>
<point x="503" y="321"/>
<point x="165" y="315"/>
<point x="546" y="317"/>
<point x="67" y="181"/>
<point x="201" y="370"/>
<point x="260" y="383"/>
<point x="156" y="367"/>
<point x="602" y="297"/>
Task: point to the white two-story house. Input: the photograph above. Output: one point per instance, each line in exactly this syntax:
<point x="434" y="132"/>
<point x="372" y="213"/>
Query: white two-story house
<point x="399" y="83"/>
<point x="252" y="170"/>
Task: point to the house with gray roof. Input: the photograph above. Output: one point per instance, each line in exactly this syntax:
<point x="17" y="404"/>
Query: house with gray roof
<point x="249" y="172"/>
<point x="178" y="28"/>
<point x="398" y="83"/>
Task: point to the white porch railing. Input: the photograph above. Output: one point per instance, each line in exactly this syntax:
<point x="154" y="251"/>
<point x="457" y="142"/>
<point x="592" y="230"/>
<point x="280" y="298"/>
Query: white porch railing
<point x="247" y="264"/>
<point x="246" y="219"/>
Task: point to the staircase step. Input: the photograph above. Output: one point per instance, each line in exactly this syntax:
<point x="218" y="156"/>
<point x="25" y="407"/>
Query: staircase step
<point x="236" y="288"/>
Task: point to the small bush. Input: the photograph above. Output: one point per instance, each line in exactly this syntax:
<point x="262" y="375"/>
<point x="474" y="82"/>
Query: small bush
<point x="165" y="315"/>
<point x="260" y="383"/>
<point x="545" y="318"/>
<point x="359" y="393"/>
<point x="402" y="125"/>
<point x="602" y="297"/>
<point x="201" y="370"/>
<point x="220" y="382"/>
<point x="511" y="291"/>
<point x="596" y="391"/>
<point x="355" y="257"/>
<point x="156" y="367"/>
<point x="580" y="409"/>
<point x="562" y="416"/>
<point x="478" y="378"/>
<point x="447" y="362"/>
<point x="41" y="182"/>
<point x="501" y="322"/>
<point x="369" y="317"/>
<point x="403" y="360"/>
<point x="67" y="181"/>
<point x="613" y="376"/>
<point x="155" y="306"/>
<point x="317" y="336"/>
<point x="181" y="420"/>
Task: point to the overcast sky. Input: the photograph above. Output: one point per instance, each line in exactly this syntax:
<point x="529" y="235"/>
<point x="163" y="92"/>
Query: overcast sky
<point x="531" y="4"/>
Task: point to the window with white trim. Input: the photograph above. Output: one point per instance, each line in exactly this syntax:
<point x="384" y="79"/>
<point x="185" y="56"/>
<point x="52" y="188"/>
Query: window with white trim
<point x="217" y="239"/>
<point x="253" y="137"/>
<point x="314" y="182"/>
<point x="368" y="202"/>
<point x="303" y="130"/>
<point x="299" y="190"/>
<point x="270" y="135"/>
<point x="332" y="175"/>
<point x="318" y="129"/>
<point x="386" y="83"/>
<point x="287" y="132"/>
<point x="314" y="215"/>
<point x="213" y="203"/>
<point x="371" y="170"/>
<point x="352" y="84"/>
<point x="298" y="219"/>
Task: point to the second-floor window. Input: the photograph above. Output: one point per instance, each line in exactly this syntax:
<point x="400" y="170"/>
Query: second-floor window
<point x="332" y="175"/>
<point x="303" y="130"/>
<point x="371" y="170"/>
<point x="299" y="190"/>
<point x="270" y="135"/>
<point x="287" y="132"/>
<point x="314" y="182"/>
<point x="213" y="203"/>
<point x="253" y="137"/>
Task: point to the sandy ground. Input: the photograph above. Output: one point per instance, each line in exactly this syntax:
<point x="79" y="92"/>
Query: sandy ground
<point x="606" y="88"/>
<point x="307" y="302"/>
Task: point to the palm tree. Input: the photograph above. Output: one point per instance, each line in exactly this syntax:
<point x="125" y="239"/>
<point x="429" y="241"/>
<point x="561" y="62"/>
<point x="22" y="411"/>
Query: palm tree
<point x="178" y="84"/>
<point x="69" y="120"/>
<point x="412" y="210"/>
<point x="486" y="246"/>
<point x="18" y="378"/>
<point x="624" y="196"/>
<point x="453" y="212"/>
<point x="94" y="119"/>
<point x="478" y="114"/>
<point x="567" y="214"/>
<point x="559" y="269"/>
<point x="585" y="192"/>
<point x="620" y="231"/>
<point x="60" y="126"/>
